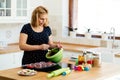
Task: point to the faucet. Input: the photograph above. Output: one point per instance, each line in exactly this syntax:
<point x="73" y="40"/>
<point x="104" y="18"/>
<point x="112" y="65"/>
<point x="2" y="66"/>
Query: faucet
<point x="112" y="31"/>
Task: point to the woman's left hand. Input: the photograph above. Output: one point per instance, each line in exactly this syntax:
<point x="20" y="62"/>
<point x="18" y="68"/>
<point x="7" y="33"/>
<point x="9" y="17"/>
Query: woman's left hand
<point x="59" y="45"/>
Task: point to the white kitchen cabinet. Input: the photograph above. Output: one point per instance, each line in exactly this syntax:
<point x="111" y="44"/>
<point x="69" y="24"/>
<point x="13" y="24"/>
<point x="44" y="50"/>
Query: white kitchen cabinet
<point x="18" y="58"/>
<point x="6" y="61"/>
<point x="117" y="60"/>
<point x="14" y="11"/>
<point x="10" y="60"/>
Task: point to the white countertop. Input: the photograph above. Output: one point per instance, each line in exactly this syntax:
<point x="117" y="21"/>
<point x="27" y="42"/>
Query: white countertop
<point x="104" y="50"/>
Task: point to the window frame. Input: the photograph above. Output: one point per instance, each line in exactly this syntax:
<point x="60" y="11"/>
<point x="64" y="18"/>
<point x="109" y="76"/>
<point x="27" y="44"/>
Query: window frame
<point x="73" y="16"/>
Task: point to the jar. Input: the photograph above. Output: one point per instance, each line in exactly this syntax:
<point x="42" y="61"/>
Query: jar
<point x="96" y="61"/>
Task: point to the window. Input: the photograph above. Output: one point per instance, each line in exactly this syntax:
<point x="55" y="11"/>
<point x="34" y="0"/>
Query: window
<point x="99" y="16"/>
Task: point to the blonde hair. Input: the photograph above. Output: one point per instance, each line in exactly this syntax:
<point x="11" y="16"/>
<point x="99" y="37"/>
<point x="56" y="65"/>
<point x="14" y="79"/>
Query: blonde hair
<point x="40" y="10"/>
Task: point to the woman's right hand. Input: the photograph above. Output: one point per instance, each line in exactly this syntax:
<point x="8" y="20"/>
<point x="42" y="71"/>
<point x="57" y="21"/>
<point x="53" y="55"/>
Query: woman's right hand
<point x="45" y="47"/>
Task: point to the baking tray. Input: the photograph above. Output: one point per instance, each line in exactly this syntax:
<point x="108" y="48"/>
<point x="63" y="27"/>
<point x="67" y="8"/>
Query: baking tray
<point x="49" y="68"/>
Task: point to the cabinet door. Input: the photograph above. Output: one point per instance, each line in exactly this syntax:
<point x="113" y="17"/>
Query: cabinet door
<point x="20" y="11"/>
<point x="5" y="7"/>
<point x="10" y="60"/>
<point x="21" y="8"/>
<point x="14" y="11"/>
<point x="117" y="60"/>
<point x="6" y="61"/>
<point x="18" y="59"/>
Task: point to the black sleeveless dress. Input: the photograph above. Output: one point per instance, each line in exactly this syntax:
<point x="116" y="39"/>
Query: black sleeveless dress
<point x="35" y="38"/>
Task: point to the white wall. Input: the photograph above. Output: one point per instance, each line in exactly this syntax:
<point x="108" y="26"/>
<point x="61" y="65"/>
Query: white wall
<point x="10" y="32"/>
<point x="58" y="18"/>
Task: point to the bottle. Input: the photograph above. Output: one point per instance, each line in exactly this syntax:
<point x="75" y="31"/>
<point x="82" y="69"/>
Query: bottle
<point x="57" y="72"/>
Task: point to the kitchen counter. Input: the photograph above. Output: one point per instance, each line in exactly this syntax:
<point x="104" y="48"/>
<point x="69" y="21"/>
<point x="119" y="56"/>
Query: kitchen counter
<point x="95" y="73"/>
<point x="10" y="48"/>
<point x="76" y="47"/>
<point x="117" y="55"/>
<point x="67" y="46"/>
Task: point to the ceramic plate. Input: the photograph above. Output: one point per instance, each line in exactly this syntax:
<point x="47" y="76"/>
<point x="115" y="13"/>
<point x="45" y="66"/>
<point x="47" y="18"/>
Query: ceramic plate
<point x="27" y="72"/>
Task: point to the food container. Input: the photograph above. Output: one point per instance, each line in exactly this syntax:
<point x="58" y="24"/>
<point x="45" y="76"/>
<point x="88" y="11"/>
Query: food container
<point x="97" y="60"/>
<point x="42" y="66"/>
<point x="55" y="55"/>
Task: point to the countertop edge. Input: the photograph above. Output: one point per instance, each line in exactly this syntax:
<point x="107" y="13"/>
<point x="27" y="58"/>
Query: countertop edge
<point x="14" y="47"/>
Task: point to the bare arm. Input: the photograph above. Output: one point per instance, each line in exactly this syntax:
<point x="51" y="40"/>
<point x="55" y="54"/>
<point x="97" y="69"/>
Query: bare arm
<point x="24" y="46"/>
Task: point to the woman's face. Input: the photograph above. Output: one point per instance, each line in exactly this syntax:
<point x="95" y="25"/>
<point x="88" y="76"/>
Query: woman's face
<point x="42" y="19"/>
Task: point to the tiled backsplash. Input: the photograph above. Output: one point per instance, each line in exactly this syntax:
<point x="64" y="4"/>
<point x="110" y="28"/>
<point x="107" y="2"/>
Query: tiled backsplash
<point x="10" y="32"/>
